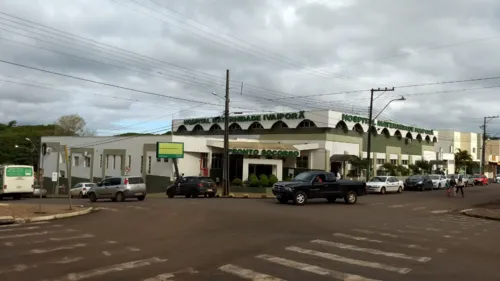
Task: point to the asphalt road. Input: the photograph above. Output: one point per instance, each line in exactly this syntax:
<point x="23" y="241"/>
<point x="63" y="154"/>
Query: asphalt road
<point x="412" y="236"/>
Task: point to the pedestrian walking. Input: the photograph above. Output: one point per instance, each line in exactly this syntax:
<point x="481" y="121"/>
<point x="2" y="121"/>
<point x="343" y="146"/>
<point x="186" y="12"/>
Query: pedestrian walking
<point x="451" y="186"/>
<point x="460" y="186"/>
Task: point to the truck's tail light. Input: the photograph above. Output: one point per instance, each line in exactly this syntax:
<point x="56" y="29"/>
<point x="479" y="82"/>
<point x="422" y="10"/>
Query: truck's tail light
<point x="200" y="185"/>
<point x="125" y="181"/>
<point x="84" y="189"/>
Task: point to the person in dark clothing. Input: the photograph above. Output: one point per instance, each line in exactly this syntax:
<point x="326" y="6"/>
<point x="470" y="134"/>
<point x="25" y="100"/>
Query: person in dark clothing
<point x="460" y="186"/>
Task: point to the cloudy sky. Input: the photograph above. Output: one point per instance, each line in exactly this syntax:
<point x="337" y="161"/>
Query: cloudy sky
<point x="168" y="57"/>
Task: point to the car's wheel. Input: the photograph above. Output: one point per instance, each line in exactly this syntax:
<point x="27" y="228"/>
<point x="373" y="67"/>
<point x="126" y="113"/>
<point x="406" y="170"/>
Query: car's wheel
<point x="382" y="190"/>
<point x="282" y="200"/>
<point x="331" y="199"/>
<point x="170" y="194"/>
<point x="120" y="197"/>
<point x="421" y="188"/>
<point x="400" y="189"/>
<point x="211" y="195"/>
<point x="188" y="195"/>
<point x="300" y="198"/>
<point x="351" y="197"/>
<point x="141" y="198"/>
<point x="92" y="197"/>
<point x="16" y="197"/>
<point x="80" y="195"/>
<point x="439" y="186"/>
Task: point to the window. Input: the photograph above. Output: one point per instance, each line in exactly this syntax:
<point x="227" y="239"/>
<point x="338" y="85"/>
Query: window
<point x="115" y="181"/>
<point x="100" y="161"/>
<point x="158" y="159"/>
<point x="107" y="161"/>
<point x="380" y="161"/>
<point x="135" y="180"/>
<point x="149" y="164"/>
<point x="330" y="177"/>
<point x="130" y="161"/>
<point x="77" y="161"/>
<point x="62" y="159"/>
<point x="142" y="164"/>
<point x="165" y="160"/>
<point x="404" y="162"/>
<point x="114" y="162"/>
<point x="451" y="148"/>
<point x="62" y="174"/>
<point x="473" y="150"/>
<point x="394" y="161"/>
<point x="303" y="162"/>
<point x="87" y="162"/>
<point x="217" y="160"/>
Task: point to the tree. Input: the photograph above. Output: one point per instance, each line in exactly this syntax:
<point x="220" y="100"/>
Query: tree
<point x="390" y="168"/>
<point x="402" y="170"/>
<point x="462" y="160"/>
<point x="424" y="166"/>
<point x="415" y="170"/>
<point x="358" y="164"/>
<point x="72" y="125"/>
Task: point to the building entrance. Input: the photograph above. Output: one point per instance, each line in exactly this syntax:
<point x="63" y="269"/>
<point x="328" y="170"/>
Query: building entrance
<point x="235" y="167"/>
<point x="260" y="169"/>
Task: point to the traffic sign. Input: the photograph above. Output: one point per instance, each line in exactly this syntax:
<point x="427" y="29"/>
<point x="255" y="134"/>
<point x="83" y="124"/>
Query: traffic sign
<point x="54" y="176"/>
<point x="127" y="169"/>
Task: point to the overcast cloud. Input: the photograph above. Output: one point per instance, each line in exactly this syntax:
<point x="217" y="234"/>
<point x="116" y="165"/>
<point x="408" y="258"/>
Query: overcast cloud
<point x="278" y="49"/>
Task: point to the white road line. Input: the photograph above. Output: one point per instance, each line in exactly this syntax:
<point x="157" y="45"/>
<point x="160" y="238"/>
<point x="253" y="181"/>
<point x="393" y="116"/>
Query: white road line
<point x="398" y="206"/>
<point x="247" y="273"/>
<point x="161" y="277"/>
<point x="69" y="247"/>
<point x="132" y="249"/>
<point x="419" y="208"/>
<point x="375" y="204"/>
<point x="373" y="232"/>
<point x="111" y="242"/>
<point x="440" y="211"/>
<point x="19" y="228"/>
<point x="19" y="225"/>
<point x="9" y="244"/>
<point x="371" y="251"/>
<point x="337" y="258"/>
<point x="83" y="236"/>
<point x="313" y="269"/>
<point x="108" y="269"/>
<point x="66" y="260"/>
<point x="23" y="267"/>
<point x="24" y="235"/>
<point x="357" y="238"/>
<point x="423" y="228"/>
<point x="106" y="253"/>
<point x="410" y="246"/>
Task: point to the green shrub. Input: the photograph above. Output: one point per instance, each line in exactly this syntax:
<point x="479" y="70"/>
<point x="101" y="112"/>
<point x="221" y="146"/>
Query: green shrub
<point x="288" y="179"/>
<point x="254" y="181"/>
<point x="237" y="182"/>
<point x="264" y="180"/>
<point x="252" y="177"/>
<point x="272" y="180"/>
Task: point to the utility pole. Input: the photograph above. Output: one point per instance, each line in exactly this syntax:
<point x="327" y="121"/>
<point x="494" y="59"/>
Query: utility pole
<point x="68" y="174"/>
<point x="370" y="123"/>
<point x="225" y="172"/>
<point x="483" y="149"/>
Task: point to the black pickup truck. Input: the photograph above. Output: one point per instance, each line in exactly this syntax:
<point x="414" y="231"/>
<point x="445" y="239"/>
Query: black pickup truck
<point x="318" y="184"/>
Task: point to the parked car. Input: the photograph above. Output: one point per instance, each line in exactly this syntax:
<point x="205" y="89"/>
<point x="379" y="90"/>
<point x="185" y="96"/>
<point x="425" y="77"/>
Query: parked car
<point x="438" y="181"/>
<point x="318" y="184"/>
<point x="449" y="176"/>
<point x="384" y="184"/>
<point x="81" y="189"/>
<point x="37" y="190"/>
<point x="468" y="180"/>
<point x="192" y="187"/>
<point x="419" y="182"/>
<point x="480" y="180"/>
<point x="497" y="179"/>
<point x="118" y="189"/>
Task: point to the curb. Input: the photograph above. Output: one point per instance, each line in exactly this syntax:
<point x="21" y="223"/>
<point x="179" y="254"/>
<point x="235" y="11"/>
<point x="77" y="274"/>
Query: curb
<point x="12" y="220"/>
<point x="486" y="217"/>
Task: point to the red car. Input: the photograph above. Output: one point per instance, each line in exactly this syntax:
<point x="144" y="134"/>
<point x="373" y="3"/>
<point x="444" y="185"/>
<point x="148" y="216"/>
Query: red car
<point x="480" y="179"/>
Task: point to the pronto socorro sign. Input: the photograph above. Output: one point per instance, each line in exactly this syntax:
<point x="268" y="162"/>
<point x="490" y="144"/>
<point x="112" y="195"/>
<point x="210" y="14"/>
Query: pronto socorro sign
<point x="265" y="152"/>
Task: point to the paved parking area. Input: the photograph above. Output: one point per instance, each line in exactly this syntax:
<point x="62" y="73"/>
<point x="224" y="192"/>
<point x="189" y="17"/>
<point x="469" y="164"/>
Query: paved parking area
<point x="392" y="237"/>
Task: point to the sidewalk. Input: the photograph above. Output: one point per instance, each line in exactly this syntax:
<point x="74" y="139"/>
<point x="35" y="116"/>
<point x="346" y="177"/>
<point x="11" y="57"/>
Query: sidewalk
<point x="10" y="213"/>
<point x="490" y="211"/>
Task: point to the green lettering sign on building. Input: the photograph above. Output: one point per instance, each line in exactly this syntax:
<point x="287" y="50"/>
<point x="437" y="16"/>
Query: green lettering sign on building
<point x="385" y="124"/>
<point x="19" y="172"/>
<point x="248" y="118"/>
<point x="265" y="152"/>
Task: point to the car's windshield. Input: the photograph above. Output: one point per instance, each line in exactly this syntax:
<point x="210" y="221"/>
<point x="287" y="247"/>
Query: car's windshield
<point x="415" y="177"/>
<point x="477" y="176"/>
<point x="378" y="179"/>
<point x="435" y="177"/>
<point x="90" y="185"/>
<point x="305" y="176"/>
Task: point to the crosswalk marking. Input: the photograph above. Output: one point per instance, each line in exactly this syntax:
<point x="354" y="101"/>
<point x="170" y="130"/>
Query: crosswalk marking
<point x="23" y="267"/>
<point x="20" y="228"/>
<point x="247" y="273"/>
<point x="19" y="225"/>
<point x="83" y="236"/>
<point x="365" y="239"/>
<point x="32" y="234"/>
<point x="69" y="247"/>
<point x="314" y="269"/>
<point x="371" y="251"/>
<point x="161" y="277"/>
<point x="419" y="208"/>
<point x="108" y="269"/>
<point x="349" y="260"/>
<point x="425" y="228"/>
<point x="373" y="232"/>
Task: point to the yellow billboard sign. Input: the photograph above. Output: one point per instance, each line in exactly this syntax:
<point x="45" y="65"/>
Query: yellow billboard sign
<point x="169" y="150"/>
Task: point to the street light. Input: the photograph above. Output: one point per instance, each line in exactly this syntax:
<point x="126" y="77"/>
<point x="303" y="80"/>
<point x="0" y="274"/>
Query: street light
<point x="369" y="142"/>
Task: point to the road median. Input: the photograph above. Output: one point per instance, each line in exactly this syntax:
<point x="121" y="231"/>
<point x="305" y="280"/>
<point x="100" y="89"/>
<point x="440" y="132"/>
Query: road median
<point x="482" y="213"/>
<point x="26" y="213"/>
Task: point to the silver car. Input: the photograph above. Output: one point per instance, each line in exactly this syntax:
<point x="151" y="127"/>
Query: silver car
<point x="119" y="189"/>
<point x="468" y="180"/>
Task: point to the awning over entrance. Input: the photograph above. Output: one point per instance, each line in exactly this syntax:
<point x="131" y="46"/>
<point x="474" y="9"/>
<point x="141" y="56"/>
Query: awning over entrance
<point x="260" y="145"/>
<point x="493" y="163"/>
<point x="437" y="162"/>
<point x="343" y="158"/>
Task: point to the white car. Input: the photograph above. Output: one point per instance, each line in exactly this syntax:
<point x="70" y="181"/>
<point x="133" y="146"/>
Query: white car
<point x="438" y="181"/>
<point x="384" y="184"/>
<point x="36" y="192"/>
<point x="80" y="189"/>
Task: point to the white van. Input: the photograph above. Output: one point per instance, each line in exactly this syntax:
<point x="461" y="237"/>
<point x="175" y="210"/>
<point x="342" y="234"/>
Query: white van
<point x="16" y="181"/>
